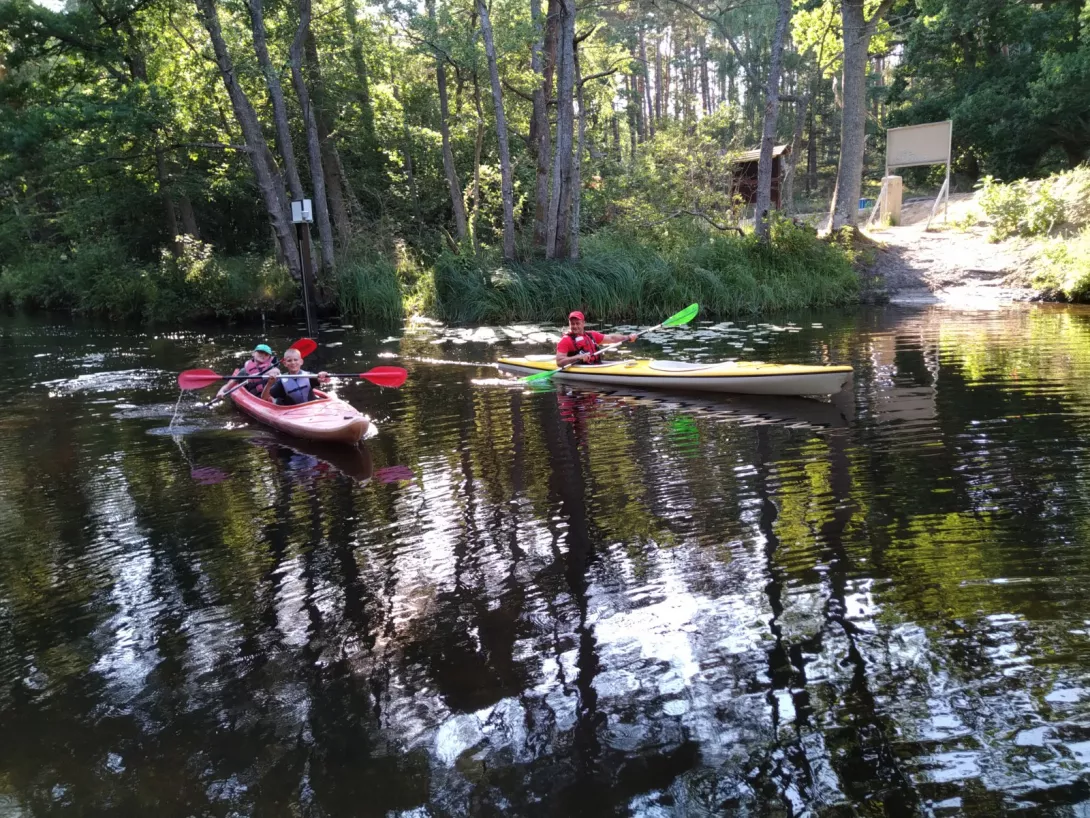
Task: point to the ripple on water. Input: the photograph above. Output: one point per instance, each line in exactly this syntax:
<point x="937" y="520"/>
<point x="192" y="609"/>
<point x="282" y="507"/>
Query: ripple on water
<point x="715" y="603"/>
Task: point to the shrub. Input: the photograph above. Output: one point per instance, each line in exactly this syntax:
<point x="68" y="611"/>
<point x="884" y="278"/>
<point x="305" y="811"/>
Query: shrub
<point x="1064" y="267"/>
<point x="1004" y="205"/>
<point x="619" y="278"/>
<point x="1026" y="209"/>
<point x="368" y="289"/>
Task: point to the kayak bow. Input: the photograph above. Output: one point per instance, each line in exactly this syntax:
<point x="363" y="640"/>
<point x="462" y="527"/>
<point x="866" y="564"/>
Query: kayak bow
<point x="326" y="418"/>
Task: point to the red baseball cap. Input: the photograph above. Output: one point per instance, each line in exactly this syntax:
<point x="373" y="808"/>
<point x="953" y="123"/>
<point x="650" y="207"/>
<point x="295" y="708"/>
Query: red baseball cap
<point x="576" y="314"/>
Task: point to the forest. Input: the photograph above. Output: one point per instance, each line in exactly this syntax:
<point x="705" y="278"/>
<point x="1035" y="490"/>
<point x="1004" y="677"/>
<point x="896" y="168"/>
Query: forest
<point x="496" y="160"/>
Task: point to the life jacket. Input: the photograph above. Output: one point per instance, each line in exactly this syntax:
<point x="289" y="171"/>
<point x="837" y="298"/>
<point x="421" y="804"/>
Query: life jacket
<point x="257" y="385"/>
<point x="297" y="389"/>
<point x="584" y="343"/>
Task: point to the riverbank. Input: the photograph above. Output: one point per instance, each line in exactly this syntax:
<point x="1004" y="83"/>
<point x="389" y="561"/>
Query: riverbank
<point x="619" y="277"/>
<point x="1027" y="241"/>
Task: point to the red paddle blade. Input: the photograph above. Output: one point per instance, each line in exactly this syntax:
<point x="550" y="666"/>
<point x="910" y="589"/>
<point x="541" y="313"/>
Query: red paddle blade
<point x="386" y="375"/>
<point x="198" y="378"/>
<point x="305" y="346"/>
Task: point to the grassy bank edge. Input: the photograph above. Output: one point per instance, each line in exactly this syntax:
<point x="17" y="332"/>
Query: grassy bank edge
<point x="618" y="278"/>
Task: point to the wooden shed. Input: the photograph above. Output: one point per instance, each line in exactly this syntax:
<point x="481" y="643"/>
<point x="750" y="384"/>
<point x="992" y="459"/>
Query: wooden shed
<point x="745" y="174"/>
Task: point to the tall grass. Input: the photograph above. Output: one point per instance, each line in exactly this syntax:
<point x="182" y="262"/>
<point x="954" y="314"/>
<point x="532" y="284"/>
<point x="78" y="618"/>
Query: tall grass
<point x="367" y="288"/>
<point x="97" y="278"/>
<point x="620" y="279"/>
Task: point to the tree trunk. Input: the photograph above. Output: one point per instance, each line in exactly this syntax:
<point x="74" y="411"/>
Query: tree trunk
<point x="615" y="129"/>
<point x="314" y="148"/>
<point x="771" y="117"/>
<point x="788" y="197"/>
<point x="577" y="164"/>
<point x="705" y="84"/>
<point x="189" y="218"/>
<point x="331" y="159"/>
<point x="407" y="161"/>
<point x="478" y="149"/>
<point x="633" y="121"/>
<point x="650" y="118"/>
<point x="507" y="187"/>
<point x="276" y="97"/>
<point x="541" y="62"/>
<point x="261" y="159"/>
<point x="849" y="172"/>
<point x="560" y="200"/>
<point x="811" y="141"/>
<point x="170" y="219"/>
<point x="455" y="188"/>
<point x="138" y="70"/>
<point x="363" y="90"/>
<point x="660" y="104"/>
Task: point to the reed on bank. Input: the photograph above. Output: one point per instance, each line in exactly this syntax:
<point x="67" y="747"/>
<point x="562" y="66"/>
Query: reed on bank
<point x="619" y="277"/>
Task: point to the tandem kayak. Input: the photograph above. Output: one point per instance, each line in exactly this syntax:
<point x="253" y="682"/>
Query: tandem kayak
<point x="739" y="377"/>
<point x="326" y="419"/>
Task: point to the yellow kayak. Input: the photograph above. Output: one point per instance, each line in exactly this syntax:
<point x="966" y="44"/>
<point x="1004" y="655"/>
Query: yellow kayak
<point x="739" y="377"/>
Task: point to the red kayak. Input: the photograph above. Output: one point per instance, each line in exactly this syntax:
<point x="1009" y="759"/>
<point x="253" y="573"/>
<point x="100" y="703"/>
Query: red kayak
<point x="325" y="418"/>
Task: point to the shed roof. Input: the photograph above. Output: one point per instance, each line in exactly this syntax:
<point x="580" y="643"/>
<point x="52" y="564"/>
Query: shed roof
<point x="753" y="156"/>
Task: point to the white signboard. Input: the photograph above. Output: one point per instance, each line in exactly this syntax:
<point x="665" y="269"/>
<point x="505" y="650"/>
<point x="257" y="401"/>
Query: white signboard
<point x="919" y="145"/>
<point x="301" y="212"/>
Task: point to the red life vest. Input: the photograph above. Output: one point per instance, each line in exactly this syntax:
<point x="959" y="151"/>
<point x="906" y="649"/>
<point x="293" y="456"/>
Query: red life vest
<point x="584" y="343"/>
<point x="252" y="367"/>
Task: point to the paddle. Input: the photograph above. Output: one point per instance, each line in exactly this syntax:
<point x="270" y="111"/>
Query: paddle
<point x="304" y="346"/>
<point x="379" y="375"/>
<point x="676" y="320"/>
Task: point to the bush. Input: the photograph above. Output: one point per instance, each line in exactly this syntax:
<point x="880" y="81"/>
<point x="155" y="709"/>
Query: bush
<point x="1064" y="267"/>
<point x="620" y="279"/>
<point x="97" y="279"/>
<point x="1004" y="205"/>
<point x="1035" y="209"/>
<point x="368" y="289"/>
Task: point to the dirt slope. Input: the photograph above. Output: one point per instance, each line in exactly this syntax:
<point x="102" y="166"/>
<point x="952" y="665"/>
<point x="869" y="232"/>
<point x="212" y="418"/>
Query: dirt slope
<point x="948" y="262"/>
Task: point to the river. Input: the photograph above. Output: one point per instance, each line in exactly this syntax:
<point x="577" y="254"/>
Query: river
<point x="552" y="602"/>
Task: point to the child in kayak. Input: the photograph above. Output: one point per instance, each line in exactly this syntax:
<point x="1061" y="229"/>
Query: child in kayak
<point x="261" y="361"/>
<point x="580" y="344"/>
<point x="293" y="386"/>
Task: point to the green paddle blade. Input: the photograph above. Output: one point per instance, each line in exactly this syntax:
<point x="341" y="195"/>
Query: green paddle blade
<point x="683" y="317"/>
<point x="540" y="376"/>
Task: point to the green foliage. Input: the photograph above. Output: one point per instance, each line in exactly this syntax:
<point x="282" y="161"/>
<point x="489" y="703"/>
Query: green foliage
<point x="622" y="278"/>
<point x="1013" y="76"/>
<point x="1036" y="208"/>
<point x="681" y="170"/>
<point x="368" y="288"/>
<point x="1004" y="205"/>
<point x="1064" y="267"/>
<point x="97" y="279"/>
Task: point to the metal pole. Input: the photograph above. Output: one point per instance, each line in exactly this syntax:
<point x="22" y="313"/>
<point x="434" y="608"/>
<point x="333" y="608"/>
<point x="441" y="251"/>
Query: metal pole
<point x="304" y="260"/>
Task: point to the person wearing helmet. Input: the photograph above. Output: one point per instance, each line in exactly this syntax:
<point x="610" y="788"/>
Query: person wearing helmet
<point x="261" y="361"/>
<point x="580" y="345"/>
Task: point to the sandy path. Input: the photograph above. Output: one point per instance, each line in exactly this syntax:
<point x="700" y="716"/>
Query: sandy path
<point x="946" y="263"/>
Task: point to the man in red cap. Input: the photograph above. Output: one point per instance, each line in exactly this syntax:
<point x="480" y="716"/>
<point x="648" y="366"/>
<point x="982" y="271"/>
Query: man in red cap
<point x="579" y="345"/>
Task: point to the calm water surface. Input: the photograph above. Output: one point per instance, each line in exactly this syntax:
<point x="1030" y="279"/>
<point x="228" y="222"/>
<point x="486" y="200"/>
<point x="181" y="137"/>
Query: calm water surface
<point x="552" y="602"/>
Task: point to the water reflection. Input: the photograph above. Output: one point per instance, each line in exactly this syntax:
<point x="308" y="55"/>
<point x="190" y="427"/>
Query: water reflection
<point x="561" y="602"/>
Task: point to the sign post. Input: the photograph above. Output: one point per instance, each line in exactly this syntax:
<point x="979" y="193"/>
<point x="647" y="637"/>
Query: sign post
<point x="302" y="215"/>
<point x="929" y="144"/>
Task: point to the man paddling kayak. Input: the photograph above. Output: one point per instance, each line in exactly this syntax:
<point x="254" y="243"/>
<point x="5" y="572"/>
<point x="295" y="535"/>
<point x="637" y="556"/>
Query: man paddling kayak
<point x="294" y="386"/>
<point x="580" y="344"/>
<point x="261" y="361"/>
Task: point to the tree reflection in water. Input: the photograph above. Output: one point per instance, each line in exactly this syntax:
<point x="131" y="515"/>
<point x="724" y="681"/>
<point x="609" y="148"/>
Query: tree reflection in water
<point x="567" y="602"/>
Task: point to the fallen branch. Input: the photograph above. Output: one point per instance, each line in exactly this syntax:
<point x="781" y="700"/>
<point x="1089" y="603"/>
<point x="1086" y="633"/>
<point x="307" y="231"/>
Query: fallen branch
<point x="696" y="214"/>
